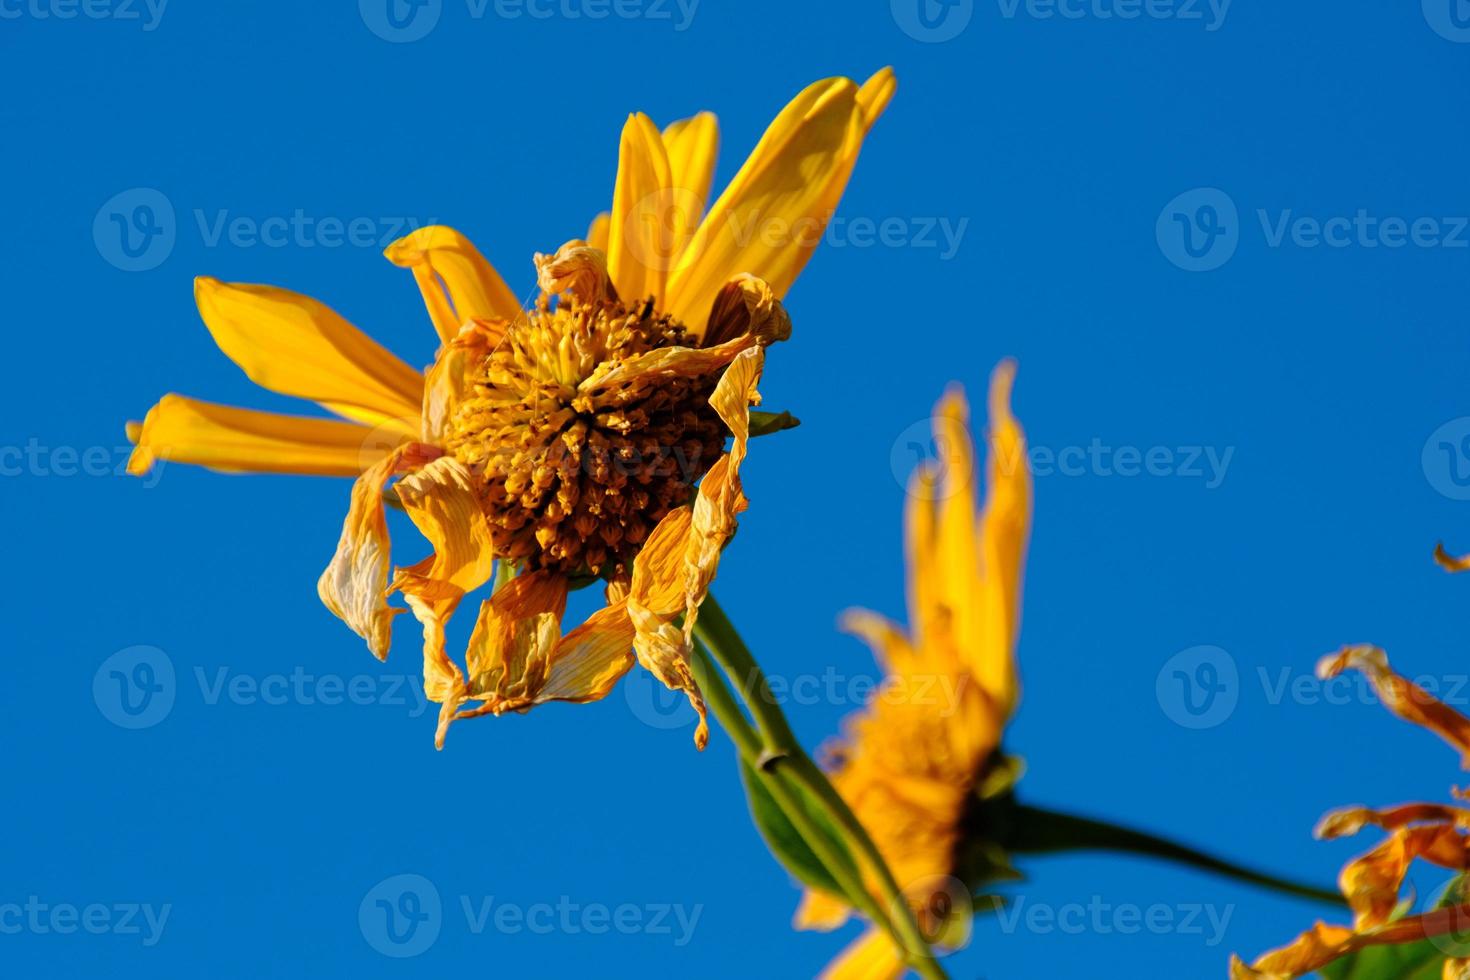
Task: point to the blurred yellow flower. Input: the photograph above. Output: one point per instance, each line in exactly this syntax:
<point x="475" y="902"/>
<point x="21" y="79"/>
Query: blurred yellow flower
<point x="565" y="441"/>
<point x="916" y="757"/>
<point x="1372" y="883"/>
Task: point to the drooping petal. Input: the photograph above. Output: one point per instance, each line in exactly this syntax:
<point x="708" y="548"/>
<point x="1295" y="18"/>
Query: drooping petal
<point x="721" y="498"/>
<point x="1449" y="562"/>
<point x="239" y="440"/>
<point x="640" y="242"/>
<point x="575" y="268"/>
<point x="294" y="345"/>
<point x="820" y="911"/>
<point x="514" y="638"/>
<point x="1371" y="883"/>
<point x="775" y="210"/>
<point x="458" y="282"/>
<point x="1404" y="698"/>
<point x="355" y="584"/>
<point x="655" y="600"/>
<point x="441" y="501"/>
<point x="746" y="305"/>
<point x="872" y="956"/>
<point x="1322" y="944"/>
<point x="1349" y="820"/>
<point x="591" y="658"/>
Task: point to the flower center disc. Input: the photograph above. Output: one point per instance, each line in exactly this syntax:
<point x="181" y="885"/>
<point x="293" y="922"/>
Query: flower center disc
<point x="579" y="461"/>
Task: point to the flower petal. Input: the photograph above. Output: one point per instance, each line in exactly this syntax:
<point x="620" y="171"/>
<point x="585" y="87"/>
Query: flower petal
<point x="1449" y="562"/>
<point x="294" y="345"/>
<point x="774" y="212"/>
<point x="746" y="305"/>
<point x="655" y="600"/>
<point x="1349" y="820"/>
<point x="1371" y="883"/>
<point x="598" y="231"/>
<point x="458" y="283"/>
<point x="591" y="658"/>
<point x="872" y="956"/>
<point x="441" y="501"/>
<point x="1005" y="529"/>
<point x="451" y="378"/>
<point x="355" y="584"/>
<point x="692" y="145"/>
<point x="1407" y="700"/>
<point x="239" y="440"/>
<point x="640" y="243"/>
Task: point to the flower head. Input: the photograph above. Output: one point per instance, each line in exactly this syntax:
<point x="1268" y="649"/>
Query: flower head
<point x="916" y="758"/>
<point x="583" y="438"/>
<point x="1372" y="883"/>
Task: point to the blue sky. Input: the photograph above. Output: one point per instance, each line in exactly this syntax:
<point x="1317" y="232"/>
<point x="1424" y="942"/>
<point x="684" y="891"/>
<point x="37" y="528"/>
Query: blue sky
<point x="1232" y="236"/>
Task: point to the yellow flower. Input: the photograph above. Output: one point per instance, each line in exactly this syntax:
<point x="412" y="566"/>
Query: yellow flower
<point x="1372" y="883"/>
<point x="563" y="442"/>
<point x="915" y="758"/>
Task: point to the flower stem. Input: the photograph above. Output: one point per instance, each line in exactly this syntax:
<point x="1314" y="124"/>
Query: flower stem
<point x="783" y="755"/>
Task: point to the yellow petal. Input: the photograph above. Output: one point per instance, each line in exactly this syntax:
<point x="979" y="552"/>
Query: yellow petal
<point x="872" y="956"/>
<point x="1371" y="883"/>
<point x="821" y="912"/>
<point x="655" y="600"/>
<point x="355" y="584"/>
<point x="442" y="502"/>
<point x="721" y="497"/>
<point x="591" y="658"/>
<point x="1350" y="820"/>
<point x="239" y="440"/>
<point x="1404" y="698"/>
<point x="640" y="242"/>
<point x="458" y="283"/>
<point x="1314" y="948"/>
<point x="1449" y="562"/>
<point x="513" y="640"/>
<point x="294" y="345"/>
<point x="746" y="305"/>
<point x="692" y="145"/>
<point x="775" y="210"/>
<point x="875" y="95"/>
<point x="598" y="230"/>
<point x="451" y="378"/>
<point x="1005" y="529"/>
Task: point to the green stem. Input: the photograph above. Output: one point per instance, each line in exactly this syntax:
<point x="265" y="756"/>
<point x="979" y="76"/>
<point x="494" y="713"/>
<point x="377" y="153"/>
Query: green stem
<point x="783" y="754"/>
<point x="1038" y="831"/>
<point x="782" y="788"/>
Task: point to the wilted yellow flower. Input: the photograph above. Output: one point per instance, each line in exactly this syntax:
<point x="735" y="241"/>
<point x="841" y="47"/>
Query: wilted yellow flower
<point x="564" y="441"/>
<point x="1372" y="883"/>
<point x="916" y="757"/>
